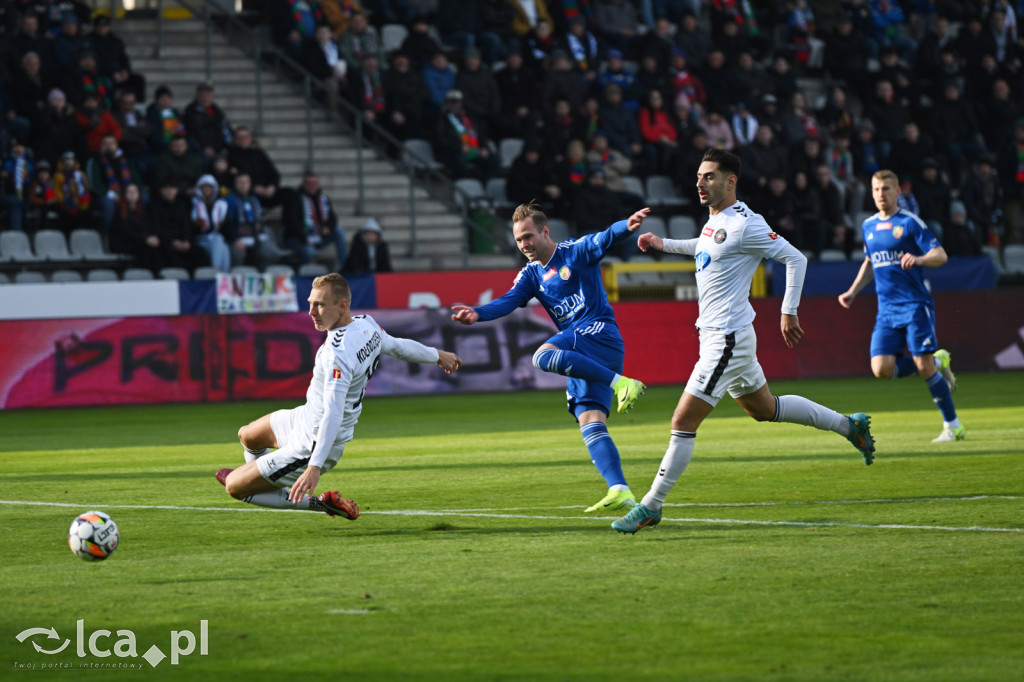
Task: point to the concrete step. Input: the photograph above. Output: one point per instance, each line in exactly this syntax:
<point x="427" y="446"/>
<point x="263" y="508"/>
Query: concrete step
<point x="143" y="49"/>
<point x="237" y="63"/>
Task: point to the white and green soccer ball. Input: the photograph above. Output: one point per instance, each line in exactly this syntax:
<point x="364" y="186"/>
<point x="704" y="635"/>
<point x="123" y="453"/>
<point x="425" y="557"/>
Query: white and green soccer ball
<point x="93" y="536"/>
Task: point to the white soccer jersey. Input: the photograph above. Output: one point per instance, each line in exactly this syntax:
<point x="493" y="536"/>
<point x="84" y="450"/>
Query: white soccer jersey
<point x="727" y="253"/>
<point x="344" y="363"/>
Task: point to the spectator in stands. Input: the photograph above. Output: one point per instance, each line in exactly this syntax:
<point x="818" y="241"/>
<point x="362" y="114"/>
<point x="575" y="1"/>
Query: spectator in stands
<point x="28" y="95"/>
<point x="540" y="46"/>
<point x="360" y="40"/>
<point x="69" y="41"/>
<point x="973" y="42"/>
<point x="582" y="47"/>
<point x="867" y="157"/>
<point x="588" y="120"/>
<point x="520" y="97"/>
<point x="30" y="38"/>
<point x="620" y="125"/>
<point x="715" y="77"/>
<point x="615" y="166"/>
<point x="593" y="203"/>
<point x="42" y="198"/>
<point x="658" y="132"/>
<point x="770" y="115"/>
<point x="178" y="166"/>
<point x="836" y="117"/>
<point x="340" y="13"/>
<point x="658" y="42"/>
<point x="481" y="97"/>
<point x="528" y="16"/>
<point x="910" y="151"/>
<point x="744" y="125"/>
<point x="459" y="143"/>
<point x="846" y="53"/>
<point x="245" y="156"/>
<point x="933" y="196"/>
<point x="366" y="90"/>
<point x="777" y="206"/>
<point x="439" y="77"/>
<point x="165" y="122"/>
<point x="837" y="234"/>
<point x="391" y="11"/>
<point x="112" y="58"/>
<point x="761" y="159"/>
<point x="169" y="216"/>
<point x="532" y="177"/>
<point x="798" y="121"/>
<point x="221" y="172"/>
<point x="1000" y="110"/>
<point x="292" y="22"/>
<point x="461" y="24"/>
<point x="899" y="76"/>
<point x="888" y="114"/>
<point x="807" y="156"/>
<point x="954" y="123"/>
<point x="15" y="177"/>
<point x="694" y="41"/>
<point x="133" y="233"/>
<point x="651" y="77"/>
<point x="717" y="129"/>
<point x="95" y="122"/>
<point x="906" y="199"/>
<point x="749" y="82"/>
<point x="496" y="17"/>
<point x="109" y="172"/>
<point x="615" y="22"/>
<point x="807" y="213"/>
<point x="87" y="80"/>
<point x="322" y="58"/>
<point x="615" y="71"/>
<point x="960" y="235"/>
<point x="844" y="172"/>
<point x="572" y="171"/>
<point x="369" y="252"/>
<point x="562" y="82"/>
<point x="58" y="131"/>
<point x="561" y="127"/>
<point x="208" y="235"/>
<point x="311" y="226"/>
<point x="406" y="98"/>
<point x="687" y="90"/>
<point x="135" y="132"/>
<point x="927" y="60"/>
<point x="982" y="194"/>
<point x="1010" y="167"/>
<point x="74" y="194"/>
<point x="420" y="45"/>
<point x="690" y="159"/>
<point x="206" y="123"/>
<point x="239" y="217"/>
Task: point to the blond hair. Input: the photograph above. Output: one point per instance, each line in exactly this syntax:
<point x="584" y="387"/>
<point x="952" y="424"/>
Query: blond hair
<point x="530" y="210"/>
<point x="884" y="175"/>
<point x="339" y="287"/>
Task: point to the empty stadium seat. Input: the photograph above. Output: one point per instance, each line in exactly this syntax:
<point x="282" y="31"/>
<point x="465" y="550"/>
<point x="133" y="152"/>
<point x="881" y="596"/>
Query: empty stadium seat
<point x="653" y="224"/>
<point x="29" y="277"/>
<point x="392" y="36"/>
<point x="4" y="279"/>
<point x="281" y="269"/>
<point x="419" y="155"/>
<point x="559" y="230"/>
<point x="137" y="274"/>
<point x="205" y="272"/>
<point x="244" y="270"/>
<point x="15" y="247"/>
<point x="65" y="276"/>
<point x="101" y="275"/>
<point x="681" y="227"/>
<point x="995" y="256"/>
<point x="634" y="185"/>
<point x="509" y="150"/>
<point x="832" y="256"/>
<point x="312" y="270"/>
<point x="174" y="273"/>
<point x="1013" y="259"/>
<point x="88" y="245"/>
<point x="51" y="245"/>
<point x="470" y="193"/>
<point x="497" y="192"/>
<point x="661" y="192"/>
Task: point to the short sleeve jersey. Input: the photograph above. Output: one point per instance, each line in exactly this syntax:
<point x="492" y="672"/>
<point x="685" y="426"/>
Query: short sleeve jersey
<point x="885" y="242"/>
<point x="729" y="249"/>
<point x="569" y="285"/>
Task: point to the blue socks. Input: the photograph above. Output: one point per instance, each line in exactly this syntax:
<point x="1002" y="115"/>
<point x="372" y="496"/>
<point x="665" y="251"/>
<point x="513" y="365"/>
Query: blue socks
<point x="572" y="364"/>
<point x="603" y="453"/>
<point x="905" y="367"/>
<point x="941" y="396"/>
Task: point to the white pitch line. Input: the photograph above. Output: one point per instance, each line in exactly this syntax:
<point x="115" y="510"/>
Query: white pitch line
<point x="470" y="514"/>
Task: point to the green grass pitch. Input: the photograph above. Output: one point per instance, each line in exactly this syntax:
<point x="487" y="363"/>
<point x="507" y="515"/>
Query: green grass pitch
<point x="781" y="556"/>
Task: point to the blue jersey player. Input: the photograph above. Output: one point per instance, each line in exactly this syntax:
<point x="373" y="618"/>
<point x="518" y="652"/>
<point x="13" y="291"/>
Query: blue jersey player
<point x="566" y="279"/>
<point x="896" y="243"/>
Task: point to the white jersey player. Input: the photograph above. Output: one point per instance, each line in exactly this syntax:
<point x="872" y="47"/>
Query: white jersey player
<point x="727" y="253"/>
<point x="310" y="439"/>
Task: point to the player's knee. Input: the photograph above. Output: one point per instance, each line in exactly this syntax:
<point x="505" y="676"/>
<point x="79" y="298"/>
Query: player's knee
<point x="234" y="488"/>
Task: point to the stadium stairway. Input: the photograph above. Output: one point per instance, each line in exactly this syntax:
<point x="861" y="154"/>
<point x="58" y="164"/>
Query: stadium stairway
<point x="441" y="237"/>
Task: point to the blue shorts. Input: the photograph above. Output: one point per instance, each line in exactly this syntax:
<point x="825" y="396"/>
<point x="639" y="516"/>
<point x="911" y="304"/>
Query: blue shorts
<point x="915" y="331"/>
<point x="605" y="347"/>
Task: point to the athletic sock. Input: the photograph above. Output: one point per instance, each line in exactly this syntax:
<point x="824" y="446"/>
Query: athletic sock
<point x="276" y="499"/>
<point x="673" y="464"/>
<point x="904" y="367"/>
<point x="572" y="364"/>
<point x="604" y="454"/>
<point x="796" y="409"/>
<point x="253" y="455"/>
<point x="941" y="396"/>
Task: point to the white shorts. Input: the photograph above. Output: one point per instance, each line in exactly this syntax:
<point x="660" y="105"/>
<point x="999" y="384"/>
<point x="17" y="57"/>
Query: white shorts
<point x="283" y="466"/>
<point x="728" y="362"/>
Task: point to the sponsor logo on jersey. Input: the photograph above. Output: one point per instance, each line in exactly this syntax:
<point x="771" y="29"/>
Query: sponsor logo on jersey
<point x="337" y="373"/>
<point x="548" y="275"/>
<point x="708" y="231"/>
<point x="568" y="307"/>
<point x="886" y="257"/>
<point x="702" y="260"/>
<point x="773" y="236"/>
<point x="883" y="226"/>
<point x="563" y="272"/>
<point x="720" y="236"/>
<point x="897" y="231"/>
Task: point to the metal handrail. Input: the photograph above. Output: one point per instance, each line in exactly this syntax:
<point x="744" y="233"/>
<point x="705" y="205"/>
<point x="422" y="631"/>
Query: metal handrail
<point x="426" y="179"/>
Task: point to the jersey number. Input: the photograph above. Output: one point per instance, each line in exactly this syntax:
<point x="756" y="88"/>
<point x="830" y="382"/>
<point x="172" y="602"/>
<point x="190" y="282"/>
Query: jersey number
<point x="369" y="375"/>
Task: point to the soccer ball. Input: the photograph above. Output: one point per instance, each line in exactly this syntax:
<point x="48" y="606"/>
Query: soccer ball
<point x="93" y="536"/>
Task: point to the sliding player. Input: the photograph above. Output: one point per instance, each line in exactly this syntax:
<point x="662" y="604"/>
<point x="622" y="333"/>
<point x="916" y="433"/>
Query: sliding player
<point x="896" y="242"/>
<point x="727" y="253"/>
<point x="310" y="439"/>
<point x="566" y="279"/>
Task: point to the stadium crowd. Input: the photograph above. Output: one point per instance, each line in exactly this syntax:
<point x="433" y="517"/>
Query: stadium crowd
<point x="596" y="90"/>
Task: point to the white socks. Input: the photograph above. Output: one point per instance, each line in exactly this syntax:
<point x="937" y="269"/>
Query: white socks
<point x="673" y="464"/>
<point x="797" y="410"/>
<point x="253" y="455"/>
<point x="276" y="499"/>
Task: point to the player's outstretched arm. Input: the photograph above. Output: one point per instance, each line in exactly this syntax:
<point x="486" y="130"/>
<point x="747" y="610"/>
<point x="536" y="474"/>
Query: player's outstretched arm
<point x="463" y="314"/>
<point x="649" y="240"/>
<point x="634" y="221"/>
<point x="448" y="361"/>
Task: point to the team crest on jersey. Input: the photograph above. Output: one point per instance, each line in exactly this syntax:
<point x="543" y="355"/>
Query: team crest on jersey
<point x="897" y="231"/>
<point x="564" y="272"/>
<point x="549" y="274"/>
<point x="720" y="236"/>
<point x="336" y="373"/>
<point x="773" y="236"/>
<point x="883" y="226"/>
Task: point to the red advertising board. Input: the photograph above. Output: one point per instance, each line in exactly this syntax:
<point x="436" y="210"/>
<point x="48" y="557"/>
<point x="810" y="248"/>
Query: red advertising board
<point x="442" y="289"/>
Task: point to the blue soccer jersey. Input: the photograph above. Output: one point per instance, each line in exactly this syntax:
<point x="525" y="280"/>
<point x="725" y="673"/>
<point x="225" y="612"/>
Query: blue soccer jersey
<point x="885" y="242"/>
<point x="569" y="285"/>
